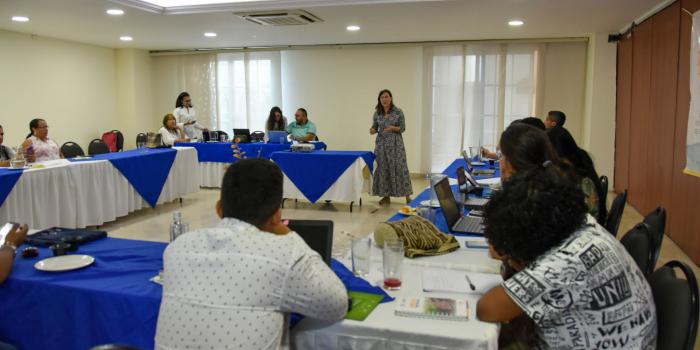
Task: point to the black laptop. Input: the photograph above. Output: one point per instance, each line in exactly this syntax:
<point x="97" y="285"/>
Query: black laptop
<point x="318" y="234"/>
<point x="456" y="221"/>
<point x="476" y="172"/>
<point x="243" y="135"/>
<point x="471" y="202"/>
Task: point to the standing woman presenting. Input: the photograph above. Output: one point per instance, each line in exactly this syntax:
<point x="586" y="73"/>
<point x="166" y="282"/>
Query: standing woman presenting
<point x="184" y="112"/>
<point x="391" y="178"/>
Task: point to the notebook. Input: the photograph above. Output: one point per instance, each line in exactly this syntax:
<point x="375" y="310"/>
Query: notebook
<point x="433" y="308"/>
<point x="455" y="281"/>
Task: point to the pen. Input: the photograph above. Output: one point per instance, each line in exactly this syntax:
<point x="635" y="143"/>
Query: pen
<point x="471" y="285"/>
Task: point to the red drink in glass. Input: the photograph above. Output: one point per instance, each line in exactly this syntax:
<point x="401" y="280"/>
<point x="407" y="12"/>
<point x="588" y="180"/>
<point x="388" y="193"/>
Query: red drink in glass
<point x="392" y="283"/>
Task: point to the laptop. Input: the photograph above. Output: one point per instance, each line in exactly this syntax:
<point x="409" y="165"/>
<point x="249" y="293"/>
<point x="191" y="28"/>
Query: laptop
<point x="318" y="234"/>
<point x="471" y="202"/>
<point x="476" y="172"/>
<point x="277" y="136"/>
<point x="243" y="135"/>
<point x="456" y="221"/>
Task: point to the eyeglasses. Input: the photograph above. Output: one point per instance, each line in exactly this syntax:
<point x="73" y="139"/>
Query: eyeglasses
<point x="42" y="127"/>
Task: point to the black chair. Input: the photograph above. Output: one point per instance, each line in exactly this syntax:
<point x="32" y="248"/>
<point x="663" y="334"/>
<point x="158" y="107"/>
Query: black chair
<point x="677" y="306"/>
<point x="120" y="140"/>
<point x="141" y="137"/>
<point x="640" y="244"/>
<point x="257" y="136"/>
<point x="97" y="146"/>
<point x="604" y="186"/>
<point x="612" y="223"/>
<point x="656" y="220"/>
<point x="71" y="150"/>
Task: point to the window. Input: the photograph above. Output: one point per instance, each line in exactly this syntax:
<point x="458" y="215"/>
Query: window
<point x="248" y="86"/>
<point x="477" y="90"/>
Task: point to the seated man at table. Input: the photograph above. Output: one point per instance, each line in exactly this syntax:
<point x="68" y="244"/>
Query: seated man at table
<point x="573" y="279"/>
<point x="234" y="285"/>
<point x="302" y="130"/>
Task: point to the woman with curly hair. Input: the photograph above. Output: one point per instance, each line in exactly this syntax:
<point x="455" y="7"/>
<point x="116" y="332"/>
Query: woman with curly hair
<point x="572" y="279"/>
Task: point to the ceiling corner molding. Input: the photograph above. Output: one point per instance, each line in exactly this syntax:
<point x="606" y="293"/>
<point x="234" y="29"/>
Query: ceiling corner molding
<point x="259" y="5"/>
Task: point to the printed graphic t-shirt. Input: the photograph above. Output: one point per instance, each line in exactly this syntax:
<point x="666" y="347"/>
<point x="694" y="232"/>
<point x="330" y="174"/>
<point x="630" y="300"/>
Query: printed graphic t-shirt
<point x="587" y="293"/>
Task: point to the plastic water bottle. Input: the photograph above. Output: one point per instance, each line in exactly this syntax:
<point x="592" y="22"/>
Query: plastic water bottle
<point x="177" y="227"/>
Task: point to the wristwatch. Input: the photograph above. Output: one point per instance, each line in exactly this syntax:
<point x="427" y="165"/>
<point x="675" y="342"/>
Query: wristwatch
<point x="11" y="246"/>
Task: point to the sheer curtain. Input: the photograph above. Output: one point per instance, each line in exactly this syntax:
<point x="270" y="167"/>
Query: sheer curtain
<point x="248" y="84"/>
<point x="196" y="74"/>
<point x="477" y="90"/>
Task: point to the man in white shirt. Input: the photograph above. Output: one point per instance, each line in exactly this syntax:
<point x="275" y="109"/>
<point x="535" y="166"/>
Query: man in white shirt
<point x="233" y="286"/>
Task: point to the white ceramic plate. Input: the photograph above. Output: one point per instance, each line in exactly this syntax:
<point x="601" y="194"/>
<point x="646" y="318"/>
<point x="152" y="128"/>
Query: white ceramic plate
<point x="435" y="204"/>
<point x="64" y="263"/>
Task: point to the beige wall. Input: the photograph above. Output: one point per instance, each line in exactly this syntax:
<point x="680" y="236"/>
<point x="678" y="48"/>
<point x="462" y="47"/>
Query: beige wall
<point x="565" y="83"/>
<point x="339" y="88"/>
<point x="599" y="109"/>
<point x="134" y="94"/>
<point x="71" y="85"/>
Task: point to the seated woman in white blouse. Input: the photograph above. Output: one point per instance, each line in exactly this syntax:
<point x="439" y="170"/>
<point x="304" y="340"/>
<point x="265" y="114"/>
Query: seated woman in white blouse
<point x="171" y="132"/>
<point x="38" y="145"/>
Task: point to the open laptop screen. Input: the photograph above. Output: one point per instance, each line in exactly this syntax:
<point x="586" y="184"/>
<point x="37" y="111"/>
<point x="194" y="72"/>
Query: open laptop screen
<point x="448" y="203"/>
<point x="318" y="234"/>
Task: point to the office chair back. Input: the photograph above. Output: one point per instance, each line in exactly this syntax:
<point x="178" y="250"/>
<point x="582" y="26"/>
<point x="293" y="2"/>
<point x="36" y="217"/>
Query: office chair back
<point x="141" y="137"/>
<point x="120" y="140"/>
<point x="97" y="146"/>
<point x="640" y="245"/>
<point x="71" y="150"/>
<point x="677" y="306"/>
<point x="612" y="223"/>
<point x="656" y="220"/>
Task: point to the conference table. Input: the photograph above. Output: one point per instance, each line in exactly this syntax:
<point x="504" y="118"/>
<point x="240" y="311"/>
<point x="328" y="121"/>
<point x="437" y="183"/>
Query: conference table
<point x="384" y="330"/>
<point x="79" y="193"/>
<point x="111" y="301"/>
<point x="214" y="156"/>
<point x="337" y="176"/>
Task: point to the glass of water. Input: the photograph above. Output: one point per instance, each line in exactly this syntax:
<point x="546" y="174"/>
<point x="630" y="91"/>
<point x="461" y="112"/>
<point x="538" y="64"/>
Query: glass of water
<point x="361" y="249"/>
<point x="392" y="261"/>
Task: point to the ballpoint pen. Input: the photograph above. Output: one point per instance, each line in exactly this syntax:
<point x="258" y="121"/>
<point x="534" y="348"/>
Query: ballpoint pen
<point x="471" y="285"/>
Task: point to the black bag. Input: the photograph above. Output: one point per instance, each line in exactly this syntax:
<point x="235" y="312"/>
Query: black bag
<point x="56" y="235"/>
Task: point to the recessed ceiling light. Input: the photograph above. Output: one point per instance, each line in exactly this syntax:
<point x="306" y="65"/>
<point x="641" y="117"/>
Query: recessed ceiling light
<point x="515" y="23"/>
<point x="126" y="38"/>
<point x="352" y="28"/>
<point x="210" y="34"/>
<point x="115" y="12"/>
<point x="20" y="19"/>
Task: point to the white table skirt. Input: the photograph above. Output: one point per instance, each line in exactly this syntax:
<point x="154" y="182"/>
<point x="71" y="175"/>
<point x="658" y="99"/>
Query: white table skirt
<point x="81" y="194"/>
<point x="382" y="330"/>
<point x="211" y="174"/>
<point x="348" y="188"/>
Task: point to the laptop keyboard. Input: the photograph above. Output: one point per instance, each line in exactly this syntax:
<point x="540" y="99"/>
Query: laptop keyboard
<point x="469" y="224"/>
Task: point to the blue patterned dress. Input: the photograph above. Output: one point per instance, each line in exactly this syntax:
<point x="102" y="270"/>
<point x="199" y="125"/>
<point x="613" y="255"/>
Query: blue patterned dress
<point x="391" y="178"/>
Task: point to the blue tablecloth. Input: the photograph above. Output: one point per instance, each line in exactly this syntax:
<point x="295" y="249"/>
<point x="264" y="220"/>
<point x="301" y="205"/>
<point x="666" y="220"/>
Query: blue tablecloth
<point x="220" y="152"/>
<point x="313" y="173"/>
<point x="440" y="222"/>
<point x="145" y="169"/>
<point x="111" y="301"/>
<point x="8" y="179"/>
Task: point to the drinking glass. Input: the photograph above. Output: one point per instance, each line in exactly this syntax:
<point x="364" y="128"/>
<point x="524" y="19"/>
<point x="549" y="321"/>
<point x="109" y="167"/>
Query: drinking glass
<point x="434" y="179"/>
<point x="361" y="249"/>
<point x="392" y="259"/>
<point x="426" y="212"/>
<point x="223" y="138"/>
<point x="213" y="136"/>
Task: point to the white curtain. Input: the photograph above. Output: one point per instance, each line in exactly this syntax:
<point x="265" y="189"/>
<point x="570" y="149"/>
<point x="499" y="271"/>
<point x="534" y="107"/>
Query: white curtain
<point x="196" y="74"/>
<point x="249" y="85"/>
<point x="476" y="90"/>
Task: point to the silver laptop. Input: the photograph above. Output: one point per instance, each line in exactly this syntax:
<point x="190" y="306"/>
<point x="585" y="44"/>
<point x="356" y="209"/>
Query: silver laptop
<point x="456" y="221"/>
<point x="476" y="172"/>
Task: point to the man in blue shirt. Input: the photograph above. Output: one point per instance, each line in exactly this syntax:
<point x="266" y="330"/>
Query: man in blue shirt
<point x="302" y="130"/>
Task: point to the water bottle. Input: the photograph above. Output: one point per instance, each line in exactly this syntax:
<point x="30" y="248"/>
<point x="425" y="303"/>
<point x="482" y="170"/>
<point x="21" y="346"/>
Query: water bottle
<point x="177" y="227"/>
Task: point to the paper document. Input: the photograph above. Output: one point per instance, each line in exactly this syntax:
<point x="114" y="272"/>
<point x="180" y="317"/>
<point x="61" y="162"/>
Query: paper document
<point x="454" y="281"/>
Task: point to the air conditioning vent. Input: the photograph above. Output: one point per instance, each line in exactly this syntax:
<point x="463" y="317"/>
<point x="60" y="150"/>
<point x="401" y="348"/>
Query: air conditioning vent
<point x="280" y="18"/>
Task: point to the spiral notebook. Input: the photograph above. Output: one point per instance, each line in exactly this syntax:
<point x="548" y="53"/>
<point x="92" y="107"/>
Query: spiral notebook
<point x="433" y="308"/>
